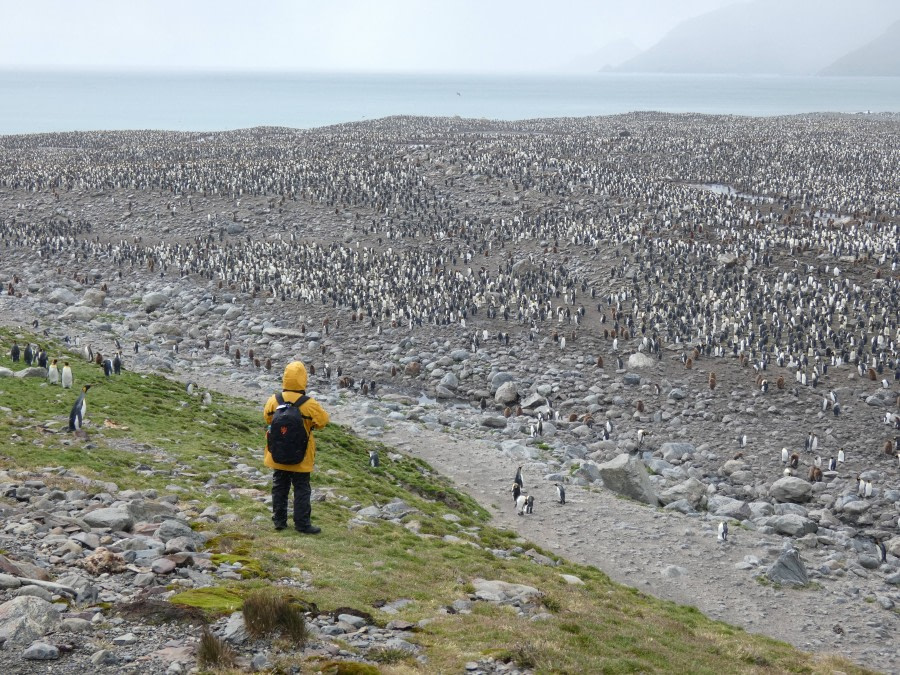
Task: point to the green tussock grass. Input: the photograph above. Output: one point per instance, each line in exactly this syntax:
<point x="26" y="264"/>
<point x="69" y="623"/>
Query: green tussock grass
<point x="173" y="441"/>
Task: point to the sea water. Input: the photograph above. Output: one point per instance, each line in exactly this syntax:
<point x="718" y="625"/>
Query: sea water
<point x="43" y="101"/>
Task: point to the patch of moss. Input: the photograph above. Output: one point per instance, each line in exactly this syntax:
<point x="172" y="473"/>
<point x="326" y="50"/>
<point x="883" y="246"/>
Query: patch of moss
<point x="347" y="668"/>
<point x="250" y="567"/>
<point x="214" y="599"/>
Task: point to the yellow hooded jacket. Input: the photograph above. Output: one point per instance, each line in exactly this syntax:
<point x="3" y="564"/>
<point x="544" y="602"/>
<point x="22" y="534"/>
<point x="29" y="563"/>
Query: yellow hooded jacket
<point x="315" y="417"/>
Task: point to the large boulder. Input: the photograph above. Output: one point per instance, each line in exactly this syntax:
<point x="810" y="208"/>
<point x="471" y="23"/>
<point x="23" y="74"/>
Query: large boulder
<point x="507" y="393"/>
<point x="500" y="379"/>
<point x="503" y="592"/>
<point x="793" y="525"/>
<point x="691" y="490"/>
<point x="788" y="570"/>
<point x="62" y="296"/>
<point x="153" y="300"/>
<point x="625" y="475"/>
<point x="79" y="313"/>
<point x="727" y="507"/>
<point x="93" y="297"/>
<point x="790" y="489"/>
<point x="639" y="360"/>
<point x="25" y="619"/>
<point x="114" y="518"/>
<point x="676" y="450"/>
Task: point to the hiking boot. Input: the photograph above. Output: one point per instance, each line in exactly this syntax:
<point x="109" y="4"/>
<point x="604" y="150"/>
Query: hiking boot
<point x="309" y="529"/>
<point x="280" y="526"/>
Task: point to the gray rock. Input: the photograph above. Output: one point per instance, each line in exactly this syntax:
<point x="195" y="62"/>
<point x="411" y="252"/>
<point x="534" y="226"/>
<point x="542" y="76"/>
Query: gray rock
<point x="788" y="570"/>
<point x="631" y="379"/>
<point x="691" y="490"/>
<point x="682" y="506"/>
<point x="32" y="371"/>
<point x="79" y="313"/>
<point x="727" y="507"/>
<point x="104" y="657"/>
<point x="170" y="529"/>
<point x="625" y="475"/>
<point x="533" y="401"/>
<point x="639" y="360"/>
<point x="793" y="525"/>
<point x="503" y="592"/>
<point x="114" y="518"/>
<point x="24" y="620"/>
<point x="450" y="381"/>
<point x="352" y="619"/>
<point x="153" y="300"/>
<point x="62" y="296"/>
<point x="236" y="630"/>
<point x="676" y="450"/>
<point x="677" y="394"/>
<point x="493" y="422"/>
<point x="790" y="489"/>
<point x="93" y="297"/>
<point x="506" y="393"/>
<point x="41" y="651"/>
<point x="499" y="380"/>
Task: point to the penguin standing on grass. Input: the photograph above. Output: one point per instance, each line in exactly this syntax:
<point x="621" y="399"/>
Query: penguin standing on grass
<point x="53" y="373"/>
<point x="373" y="459"/>
<point x="117" y="363"/>
<point x="79" y="410"/>
<point x="67" y="378"/>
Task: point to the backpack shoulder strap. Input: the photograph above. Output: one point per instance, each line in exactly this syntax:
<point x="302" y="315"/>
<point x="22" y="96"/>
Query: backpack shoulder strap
<point x="299" y="402"/>
<point x="279" y="398"/>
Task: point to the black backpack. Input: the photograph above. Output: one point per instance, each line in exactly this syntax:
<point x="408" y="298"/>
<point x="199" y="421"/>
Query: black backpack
<point x="287" y="437"/>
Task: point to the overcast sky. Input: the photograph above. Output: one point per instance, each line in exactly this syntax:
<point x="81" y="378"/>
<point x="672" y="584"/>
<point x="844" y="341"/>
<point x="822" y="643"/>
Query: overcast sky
<point x="328" y="35"/>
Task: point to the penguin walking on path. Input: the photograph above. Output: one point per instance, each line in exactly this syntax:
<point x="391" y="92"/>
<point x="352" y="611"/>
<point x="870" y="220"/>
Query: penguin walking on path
<point x="516" y="491"/>
<point x="723" y="531"/>
<point x="560" y="493"/>
<point x="518" y="479"/>
<point x="79" y="410"/>
<point x="529" y="504"/>
<point x="520" y="504"/>
<point x="67" y="378"/>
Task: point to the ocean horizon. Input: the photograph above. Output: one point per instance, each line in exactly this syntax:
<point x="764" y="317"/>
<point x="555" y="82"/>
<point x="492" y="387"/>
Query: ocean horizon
<point x="39" y="101"/>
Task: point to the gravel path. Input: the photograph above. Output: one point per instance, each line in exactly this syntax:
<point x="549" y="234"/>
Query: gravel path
<point x="661" y="553"/>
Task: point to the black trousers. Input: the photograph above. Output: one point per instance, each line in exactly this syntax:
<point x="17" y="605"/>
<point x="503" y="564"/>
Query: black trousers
<point x="281" y="486"/>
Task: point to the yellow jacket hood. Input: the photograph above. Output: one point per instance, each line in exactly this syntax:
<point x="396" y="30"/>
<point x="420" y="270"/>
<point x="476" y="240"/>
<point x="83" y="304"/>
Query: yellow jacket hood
<point x="294" y="377"/>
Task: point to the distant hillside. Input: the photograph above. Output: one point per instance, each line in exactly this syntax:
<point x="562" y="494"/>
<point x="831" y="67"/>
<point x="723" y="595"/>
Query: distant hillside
<point x="607" y="57"/>
<point x="880" y="57"/>
<point x="800" y="37"/>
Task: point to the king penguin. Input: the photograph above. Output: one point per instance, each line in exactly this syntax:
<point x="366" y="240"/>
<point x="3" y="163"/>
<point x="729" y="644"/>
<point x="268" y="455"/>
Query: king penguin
<point x="520" y="504"/>
<point x="53" y="373"/>
<point x="373" y="459"/>
<point x="723" y="531"/>
<point x="518" y="479"/>
<point x="79" y="410"/>
<point x="67" y="378"/>
<point x="560" y="493"/>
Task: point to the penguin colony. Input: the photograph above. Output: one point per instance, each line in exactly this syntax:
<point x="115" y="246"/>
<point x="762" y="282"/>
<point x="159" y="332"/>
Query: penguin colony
<point x="728" y="244"/>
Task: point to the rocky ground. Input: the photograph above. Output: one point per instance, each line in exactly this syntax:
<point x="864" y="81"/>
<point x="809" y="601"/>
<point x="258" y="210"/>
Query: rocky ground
<point x="849" y="607"/>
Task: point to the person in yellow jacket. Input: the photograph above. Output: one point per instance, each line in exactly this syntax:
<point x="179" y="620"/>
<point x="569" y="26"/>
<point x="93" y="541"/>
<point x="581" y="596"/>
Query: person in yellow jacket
<point x="293" y="385"/>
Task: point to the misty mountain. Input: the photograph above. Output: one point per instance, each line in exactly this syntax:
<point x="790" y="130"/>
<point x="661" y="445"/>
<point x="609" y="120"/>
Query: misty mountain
<point x="881" y="57"/>
<point x="607" y="57"/>
<point x="779" y="37"/>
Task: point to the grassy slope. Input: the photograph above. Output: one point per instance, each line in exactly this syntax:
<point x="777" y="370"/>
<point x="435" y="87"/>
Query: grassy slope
<point x="598" y="627"/>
